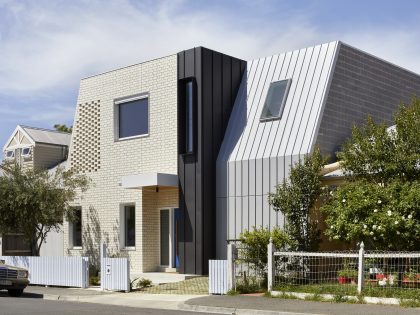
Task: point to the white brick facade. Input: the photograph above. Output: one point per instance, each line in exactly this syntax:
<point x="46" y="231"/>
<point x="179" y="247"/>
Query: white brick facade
<point x="156" y="152"/>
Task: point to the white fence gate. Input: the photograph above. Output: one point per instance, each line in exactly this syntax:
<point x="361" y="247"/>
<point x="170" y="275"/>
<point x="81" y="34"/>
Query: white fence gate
<point x="115" y="272"/>
<point x="57" y="271"/>
<point x="218" y="276"/>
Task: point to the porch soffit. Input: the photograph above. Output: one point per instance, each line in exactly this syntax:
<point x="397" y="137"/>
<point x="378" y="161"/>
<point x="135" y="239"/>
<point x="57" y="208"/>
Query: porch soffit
<point x="149" y="179"/>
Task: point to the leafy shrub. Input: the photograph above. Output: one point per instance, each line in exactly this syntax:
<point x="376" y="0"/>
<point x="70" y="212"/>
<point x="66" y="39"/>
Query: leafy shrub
<point x="256" y="241"/>
<point x="140" y="283"/>
<point x="94" y="280"/>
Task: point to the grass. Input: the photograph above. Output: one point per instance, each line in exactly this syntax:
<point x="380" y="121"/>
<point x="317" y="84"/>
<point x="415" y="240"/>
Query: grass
<point x="410" y="303"/>
<point x="342" y="290"/>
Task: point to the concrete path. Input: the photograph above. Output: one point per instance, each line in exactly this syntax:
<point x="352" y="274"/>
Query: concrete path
<point x="262" y="305"/>
<point x="133" y="299"/>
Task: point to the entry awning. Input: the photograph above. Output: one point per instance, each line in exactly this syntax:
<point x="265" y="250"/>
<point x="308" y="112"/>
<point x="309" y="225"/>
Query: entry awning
<point x="149" y="179"/>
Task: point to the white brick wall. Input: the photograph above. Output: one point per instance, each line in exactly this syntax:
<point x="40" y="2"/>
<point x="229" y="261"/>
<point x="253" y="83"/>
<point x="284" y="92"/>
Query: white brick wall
<point x="156" y="152"/>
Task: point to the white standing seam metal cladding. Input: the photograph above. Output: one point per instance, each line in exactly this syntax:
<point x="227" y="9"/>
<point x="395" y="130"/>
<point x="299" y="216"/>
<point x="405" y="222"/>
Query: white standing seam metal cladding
<point x="255" y="156"/>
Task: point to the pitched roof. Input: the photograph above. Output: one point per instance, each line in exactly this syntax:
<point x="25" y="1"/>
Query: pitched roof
<point x="40" y="135"/>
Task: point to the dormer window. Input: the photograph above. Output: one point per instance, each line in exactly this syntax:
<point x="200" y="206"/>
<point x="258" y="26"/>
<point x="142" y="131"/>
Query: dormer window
<point x="276" y="100"/>
<point x="10" y="154"/>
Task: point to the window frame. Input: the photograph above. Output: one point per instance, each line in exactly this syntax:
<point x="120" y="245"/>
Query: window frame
<point x="120" y="101"/>
<point x="123" y="232"/>
<point x="282" y="104"/>
<point x="29" y="152"/>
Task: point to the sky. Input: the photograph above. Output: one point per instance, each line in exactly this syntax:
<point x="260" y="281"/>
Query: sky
<point x="46" y="47"/>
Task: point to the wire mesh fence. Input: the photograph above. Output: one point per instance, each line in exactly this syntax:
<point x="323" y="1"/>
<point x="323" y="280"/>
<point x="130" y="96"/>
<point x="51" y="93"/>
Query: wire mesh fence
<point x="250" y="267"/>
<point x="374" y="273"/>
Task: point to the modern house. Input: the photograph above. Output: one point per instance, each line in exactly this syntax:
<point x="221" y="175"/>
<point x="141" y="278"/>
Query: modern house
<point x="35" y="148"/>
<point x="183" y="150"/>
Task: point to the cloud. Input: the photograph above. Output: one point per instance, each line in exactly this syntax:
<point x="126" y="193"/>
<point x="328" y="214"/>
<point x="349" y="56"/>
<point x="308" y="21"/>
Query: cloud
<point x="46" y="47"/>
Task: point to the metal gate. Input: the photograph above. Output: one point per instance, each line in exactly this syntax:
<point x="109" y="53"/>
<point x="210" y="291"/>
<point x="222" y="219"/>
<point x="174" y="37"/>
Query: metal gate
<point x="115" y="272"/>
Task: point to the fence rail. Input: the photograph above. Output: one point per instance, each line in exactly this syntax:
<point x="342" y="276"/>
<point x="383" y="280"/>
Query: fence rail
<point x="57" y="271"/>
<point x="350" y="272"/>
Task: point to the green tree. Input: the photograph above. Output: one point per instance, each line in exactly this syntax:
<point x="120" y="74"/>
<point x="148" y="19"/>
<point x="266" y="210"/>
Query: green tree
<point x="63" y="128"/>
<point x="296" y="197"/>
<point x="34" y="202"/>
<point x="380" y="203"/>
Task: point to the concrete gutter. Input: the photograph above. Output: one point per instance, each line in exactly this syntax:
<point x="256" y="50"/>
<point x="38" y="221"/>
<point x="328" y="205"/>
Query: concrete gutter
<point x="233" y="311"/>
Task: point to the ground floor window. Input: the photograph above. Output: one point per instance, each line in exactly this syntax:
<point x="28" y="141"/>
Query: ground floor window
<point x="129" y="226"/>
<point x="76" y="228"/>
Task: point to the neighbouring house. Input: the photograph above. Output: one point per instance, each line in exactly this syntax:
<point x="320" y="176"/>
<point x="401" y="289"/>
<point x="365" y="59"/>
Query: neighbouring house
<point x="183" y="150"/>
<point x="35" y="148"/>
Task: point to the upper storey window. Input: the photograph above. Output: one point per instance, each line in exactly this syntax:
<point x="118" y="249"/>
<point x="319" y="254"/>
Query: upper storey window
<point x="133" y="117"/>
<point x="275" y="101"/>
<point x="10" y="154"/>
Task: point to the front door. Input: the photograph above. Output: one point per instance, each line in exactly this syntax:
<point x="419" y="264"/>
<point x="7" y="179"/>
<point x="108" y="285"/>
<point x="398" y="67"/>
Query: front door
<point x="170" y="225"/>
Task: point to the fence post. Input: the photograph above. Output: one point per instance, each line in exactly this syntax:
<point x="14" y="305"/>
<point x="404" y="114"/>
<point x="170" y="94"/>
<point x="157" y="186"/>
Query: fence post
<point x="270" y="265"/>
<point x="360" y="275"/>
<point x="103" y="256"/>
<point x="231" y="266"/>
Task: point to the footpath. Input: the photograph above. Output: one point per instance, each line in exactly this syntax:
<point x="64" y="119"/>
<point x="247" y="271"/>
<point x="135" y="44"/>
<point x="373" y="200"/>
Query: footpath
<point x="240" y="305"/>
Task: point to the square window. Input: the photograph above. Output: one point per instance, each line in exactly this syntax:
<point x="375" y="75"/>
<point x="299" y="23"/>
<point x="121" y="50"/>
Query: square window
<point x="133" y="118"/>
<point x="130" y="226"/>
<point x="275" y="101"/>
<point x="76" y="228"/>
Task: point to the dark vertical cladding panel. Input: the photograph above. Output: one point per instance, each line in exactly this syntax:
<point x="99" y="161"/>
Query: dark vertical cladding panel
<point x="181" y="166"/>
<point x="217" y="98"/>
<point x="190" y="64"/>
<point x="227" y="89"/>
<point x="190" y="213"/>
<point x="217" y="78"/>
<point x="208" y="157"/>
<point x="198" y="248"/>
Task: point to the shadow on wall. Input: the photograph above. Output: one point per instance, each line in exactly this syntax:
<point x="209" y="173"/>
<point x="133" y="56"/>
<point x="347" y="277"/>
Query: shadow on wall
<point x="93" y="236"/>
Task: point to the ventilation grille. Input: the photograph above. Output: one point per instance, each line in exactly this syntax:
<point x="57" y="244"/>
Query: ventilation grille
<point x="86" y="155"/>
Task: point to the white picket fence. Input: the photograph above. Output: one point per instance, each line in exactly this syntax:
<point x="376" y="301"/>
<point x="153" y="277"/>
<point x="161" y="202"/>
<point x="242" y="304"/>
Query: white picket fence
<point x="54" y="271"/>
<point x="218" y="276"/>
<point x="115" y="272"/>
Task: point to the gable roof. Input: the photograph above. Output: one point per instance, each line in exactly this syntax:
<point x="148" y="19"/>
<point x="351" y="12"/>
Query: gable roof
<point x="48" y="136"/>
<point x="39" y="135"/>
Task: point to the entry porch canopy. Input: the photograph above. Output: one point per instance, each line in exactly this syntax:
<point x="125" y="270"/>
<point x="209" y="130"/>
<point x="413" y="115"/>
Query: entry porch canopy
<point x="149" y="179"/>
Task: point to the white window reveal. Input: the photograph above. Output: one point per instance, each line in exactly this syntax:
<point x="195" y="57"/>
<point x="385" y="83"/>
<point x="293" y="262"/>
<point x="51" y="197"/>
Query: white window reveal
<point x="276" y="100"/>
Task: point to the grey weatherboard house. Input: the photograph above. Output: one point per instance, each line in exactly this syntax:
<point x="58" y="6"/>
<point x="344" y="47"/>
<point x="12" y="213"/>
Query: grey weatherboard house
<point x="184" y="149"/>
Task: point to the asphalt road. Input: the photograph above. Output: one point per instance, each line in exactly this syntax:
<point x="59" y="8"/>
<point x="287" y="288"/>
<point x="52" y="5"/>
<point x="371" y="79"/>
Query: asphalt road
<point x="31" y="305"/>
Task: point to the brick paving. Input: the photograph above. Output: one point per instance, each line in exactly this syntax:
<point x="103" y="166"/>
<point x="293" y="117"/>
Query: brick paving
<point x="194" y="286"/>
